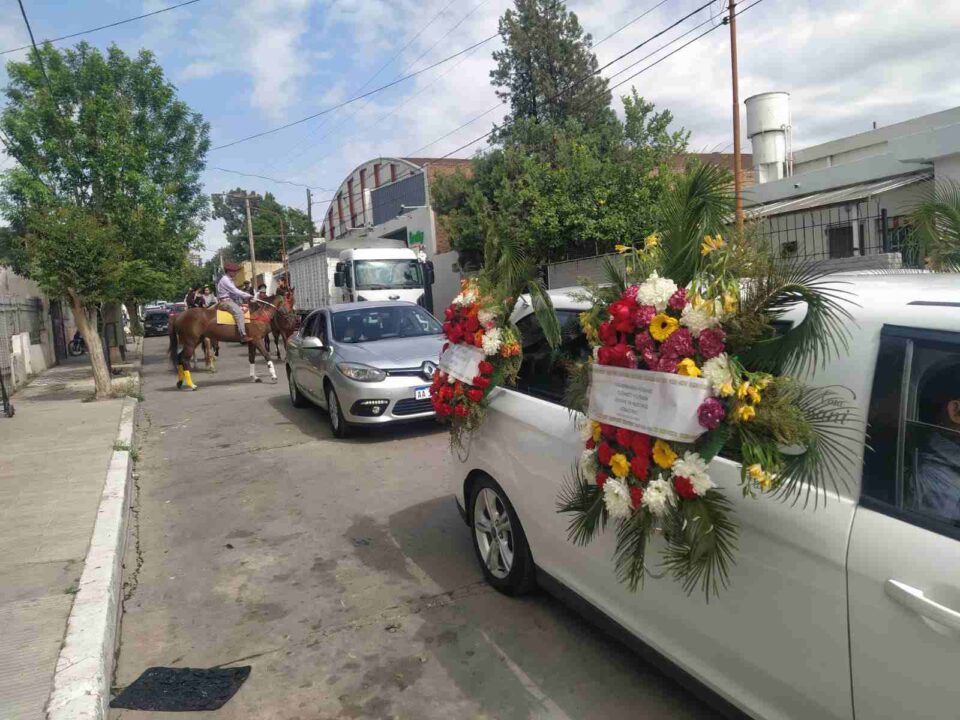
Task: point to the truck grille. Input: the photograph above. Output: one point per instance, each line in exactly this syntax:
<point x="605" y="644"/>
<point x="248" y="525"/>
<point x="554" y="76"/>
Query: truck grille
<point x="409" y="406"/>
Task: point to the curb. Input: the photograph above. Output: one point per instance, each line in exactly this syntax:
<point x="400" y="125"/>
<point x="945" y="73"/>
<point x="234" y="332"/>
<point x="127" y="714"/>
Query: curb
<point x="81" y="683"/>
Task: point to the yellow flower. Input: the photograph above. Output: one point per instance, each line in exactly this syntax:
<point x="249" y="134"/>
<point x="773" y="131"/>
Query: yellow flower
<point x="663" y="454"/>
<point x="746" y="413"/>
<point x="688" y="368"/>
<point x="651" y="241"/>
<point x="753" y="394"/>
<point x="588" y="329"/>
<point x="761" y="476"/>
<point x="743" y="390"/>
<point x="621" y="248"/>
<point x="620" y="465"/>
<point x="710" y="244"/>
<point x="596" y="432"/>
<point x="663" y="326"/>
<point x="729" y="303"/>
<point x="763" y="382"/>
<point x="726" y="390"/>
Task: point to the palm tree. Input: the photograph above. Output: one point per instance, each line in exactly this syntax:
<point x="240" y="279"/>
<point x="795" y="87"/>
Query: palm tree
<point x="936" y="227"/>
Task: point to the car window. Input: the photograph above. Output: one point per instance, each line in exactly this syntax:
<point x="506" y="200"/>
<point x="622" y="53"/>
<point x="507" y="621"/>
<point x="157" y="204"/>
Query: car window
<point x="383" y="323"/>
<point x="544" y="370"/>
<point x="912" y="467"/>
<point x="310" y="326"/>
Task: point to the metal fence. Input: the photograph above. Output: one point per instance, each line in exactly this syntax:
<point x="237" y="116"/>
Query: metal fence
<point x="18" y="315"/>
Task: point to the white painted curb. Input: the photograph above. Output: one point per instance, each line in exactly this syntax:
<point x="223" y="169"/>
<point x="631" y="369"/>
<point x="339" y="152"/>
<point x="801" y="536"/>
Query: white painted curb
<point x="81" y="683"/>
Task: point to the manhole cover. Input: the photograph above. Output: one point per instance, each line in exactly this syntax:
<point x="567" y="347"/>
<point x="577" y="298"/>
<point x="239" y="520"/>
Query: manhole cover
<point x="165" y="689"/>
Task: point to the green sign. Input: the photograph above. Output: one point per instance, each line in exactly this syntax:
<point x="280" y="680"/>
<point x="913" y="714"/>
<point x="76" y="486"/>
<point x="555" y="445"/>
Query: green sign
<point x="415" y="238"/>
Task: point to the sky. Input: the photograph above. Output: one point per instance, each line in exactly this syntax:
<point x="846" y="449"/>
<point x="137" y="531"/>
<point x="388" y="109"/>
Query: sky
<point x="251" y="65"/>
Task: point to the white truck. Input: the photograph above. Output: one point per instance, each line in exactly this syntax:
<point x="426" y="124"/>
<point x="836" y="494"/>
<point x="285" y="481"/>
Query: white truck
<point x="359" y="274"/>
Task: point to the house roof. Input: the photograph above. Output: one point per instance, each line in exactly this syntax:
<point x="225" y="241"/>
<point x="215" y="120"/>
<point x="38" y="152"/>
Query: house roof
<point x="838" y="196"/>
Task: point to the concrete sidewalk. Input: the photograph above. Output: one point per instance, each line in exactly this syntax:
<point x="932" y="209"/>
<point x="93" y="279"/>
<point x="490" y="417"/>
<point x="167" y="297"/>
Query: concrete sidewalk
<point x="54" y="458"/>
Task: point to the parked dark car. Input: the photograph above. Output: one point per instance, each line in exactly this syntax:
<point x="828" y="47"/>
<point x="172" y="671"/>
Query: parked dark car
<point x="156" y="322"/>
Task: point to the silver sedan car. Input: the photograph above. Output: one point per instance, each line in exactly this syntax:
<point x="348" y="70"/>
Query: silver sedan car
<point x="365" y="363"/>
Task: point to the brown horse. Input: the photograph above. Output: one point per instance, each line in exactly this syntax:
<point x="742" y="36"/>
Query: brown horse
<point x="195" y="324"/>
<point x="283" y="326"/>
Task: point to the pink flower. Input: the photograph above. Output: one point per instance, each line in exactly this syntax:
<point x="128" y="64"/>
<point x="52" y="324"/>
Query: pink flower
<point x="630" y="294"/>
<point x="667" y="365"/>
<point x="678" y="345"/>
<point x="643" y="315"/>
<point x="711" y="413"/>
<point x="711" y="342"/>
<point x="678" y="300"/>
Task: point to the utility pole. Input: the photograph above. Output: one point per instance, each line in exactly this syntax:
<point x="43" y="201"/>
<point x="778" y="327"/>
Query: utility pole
<point x="309" y="215"/>
<point x="737" y="171"/>
<point x="283" y="246"/>
<point x="253" y="256"/>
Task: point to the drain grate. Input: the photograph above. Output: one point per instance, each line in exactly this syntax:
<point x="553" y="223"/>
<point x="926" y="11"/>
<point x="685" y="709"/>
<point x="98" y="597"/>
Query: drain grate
<point x="166" y="689"/>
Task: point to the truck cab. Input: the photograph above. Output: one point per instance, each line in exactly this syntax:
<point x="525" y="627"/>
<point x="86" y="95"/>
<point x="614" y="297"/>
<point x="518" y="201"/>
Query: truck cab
<point x="377" y="274"/>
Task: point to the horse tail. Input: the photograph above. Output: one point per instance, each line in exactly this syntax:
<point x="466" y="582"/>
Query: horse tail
<point x="172" y="351"/>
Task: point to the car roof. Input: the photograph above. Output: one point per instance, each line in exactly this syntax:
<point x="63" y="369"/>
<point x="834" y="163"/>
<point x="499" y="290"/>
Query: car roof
<point x="369" y="305"/>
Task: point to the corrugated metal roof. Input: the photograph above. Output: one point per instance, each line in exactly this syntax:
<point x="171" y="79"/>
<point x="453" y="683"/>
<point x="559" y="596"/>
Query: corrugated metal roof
<point x="838" y="196"/>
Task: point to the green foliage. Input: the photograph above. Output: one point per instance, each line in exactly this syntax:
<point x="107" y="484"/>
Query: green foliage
<point x="108" y="137"/>
<point x="266" y="213"/>
<point x="936" y="228"/>
<point x="701" y="541"/>
<point x="584" y="501"/>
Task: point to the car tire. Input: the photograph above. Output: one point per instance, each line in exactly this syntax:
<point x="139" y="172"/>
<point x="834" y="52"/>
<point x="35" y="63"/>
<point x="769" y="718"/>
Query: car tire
<point x="296" y="397"/>
<point x="340" y="427"/>
<point x="499" y="541"/>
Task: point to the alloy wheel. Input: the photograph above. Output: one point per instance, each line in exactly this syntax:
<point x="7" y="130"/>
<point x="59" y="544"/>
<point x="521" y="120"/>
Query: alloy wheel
<point x="334" y="409"/>
<point x="491" y="523"/>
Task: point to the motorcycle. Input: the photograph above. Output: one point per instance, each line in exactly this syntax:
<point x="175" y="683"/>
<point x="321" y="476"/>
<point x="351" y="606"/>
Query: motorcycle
<point x="77" y="346"/>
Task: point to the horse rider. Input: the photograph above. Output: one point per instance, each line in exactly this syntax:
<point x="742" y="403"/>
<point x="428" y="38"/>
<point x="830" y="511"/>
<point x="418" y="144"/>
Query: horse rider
<point x="230" y="296"/>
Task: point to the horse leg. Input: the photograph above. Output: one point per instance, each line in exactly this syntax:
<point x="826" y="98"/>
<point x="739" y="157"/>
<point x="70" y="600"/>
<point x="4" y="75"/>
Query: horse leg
<point x="277" y="336"/>
<point x="187" y="354"/>
<point x="252" y="357"/>
<point x="266" y="356"/>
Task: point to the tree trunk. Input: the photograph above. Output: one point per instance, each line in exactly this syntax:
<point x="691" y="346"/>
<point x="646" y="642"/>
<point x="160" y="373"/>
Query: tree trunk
<point x="136" y="327"/>
<point x="88" y="328"/>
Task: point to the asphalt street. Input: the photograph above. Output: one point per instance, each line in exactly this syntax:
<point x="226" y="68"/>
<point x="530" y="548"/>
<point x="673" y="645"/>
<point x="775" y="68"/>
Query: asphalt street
<point x="340" y="571"/>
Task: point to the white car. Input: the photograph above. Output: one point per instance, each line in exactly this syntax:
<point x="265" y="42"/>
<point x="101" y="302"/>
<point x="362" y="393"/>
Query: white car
<point x="850" y="609"/>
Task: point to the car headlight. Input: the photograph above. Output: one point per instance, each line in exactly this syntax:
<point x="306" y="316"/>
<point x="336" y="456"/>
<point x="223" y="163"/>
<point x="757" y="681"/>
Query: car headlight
<point x="361" y="373"/>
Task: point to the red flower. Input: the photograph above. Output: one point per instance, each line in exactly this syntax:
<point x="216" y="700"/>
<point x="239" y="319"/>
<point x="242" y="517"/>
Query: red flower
<point x="606" y="333"/>
<point x="684" y="487"/>
<point x="601" y="479"/>
<point x="471" y="325"/>
<point x="445" y="347"/>
<point x="443" y="409"/>
<point x="640" y="466"/>
<point x="622" y="313"/>
<point x="485" y="367"/>
<point x="461" y="410"/>
<point x="449" y="312"/>
<point x="636" y="496"/>
<point x="624" y="437"/>
<point x="678" y="300"/>
<point x="475" y="395"/>
<point x="604" y="453"/>
<point x="481" y="382"/>
<point x="455" y="334"/>
<point x="608" y="430"/>
<point x="591" y="444"/>
<point x="641" y="444"/>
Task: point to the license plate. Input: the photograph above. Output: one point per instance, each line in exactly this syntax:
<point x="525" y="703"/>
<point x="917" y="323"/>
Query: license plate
<point x="422" y="393"/>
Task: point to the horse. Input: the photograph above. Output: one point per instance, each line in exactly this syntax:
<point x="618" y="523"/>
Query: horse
<point x="210" y="348"/>
<point x="284" y="325"/>
<point x="192" y="326"/>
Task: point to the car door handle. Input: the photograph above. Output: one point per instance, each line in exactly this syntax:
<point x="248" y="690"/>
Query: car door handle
<point x="922" y="605"/>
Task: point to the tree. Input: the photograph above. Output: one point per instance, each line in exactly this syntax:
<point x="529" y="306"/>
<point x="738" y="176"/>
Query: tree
<point x="935" y="238"/>
<point x="266" y="212"/>
<point x="105" y="198"/>
<point x="546" y="69"/>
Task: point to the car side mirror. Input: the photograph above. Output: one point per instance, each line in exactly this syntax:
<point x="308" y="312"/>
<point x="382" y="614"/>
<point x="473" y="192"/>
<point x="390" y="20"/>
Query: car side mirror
<point x="430" y="276"/>
<point x="312" y="343"/>
<point x="338" y="279"/>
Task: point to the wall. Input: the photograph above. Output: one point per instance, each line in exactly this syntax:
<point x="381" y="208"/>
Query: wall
<point x="947" y="167"/>
<point x="447" y="283"/>
<point x="568" y="273"/>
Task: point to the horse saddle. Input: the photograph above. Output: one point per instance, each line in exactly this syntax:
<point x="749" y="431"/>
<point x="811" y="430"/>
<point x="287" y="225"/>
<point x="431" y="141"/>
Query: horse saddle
<point x="225" y="317"/>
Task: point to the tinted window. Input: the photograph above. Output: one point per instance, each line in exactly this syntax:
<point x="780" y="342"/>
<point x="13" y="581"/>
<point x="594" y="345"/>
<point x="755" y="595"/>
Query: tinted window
<point x="913" y="462"/>
<point x="544" y="370"/>
<point x="383" y="323"/>
<point x="310" y="326"/>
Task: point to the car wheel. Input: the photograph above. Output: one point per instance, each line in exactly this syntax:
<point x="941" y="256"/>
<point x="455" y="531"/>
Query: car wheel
<point x="296" y="399"/>
<point x="340" y="427"/>
<point x="499" y="541"/>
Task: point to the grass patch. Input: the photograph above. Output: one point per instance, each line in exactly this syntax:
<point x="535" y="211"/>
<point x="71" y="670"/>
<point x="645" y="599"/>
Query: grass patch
<point x="125" y="447"/>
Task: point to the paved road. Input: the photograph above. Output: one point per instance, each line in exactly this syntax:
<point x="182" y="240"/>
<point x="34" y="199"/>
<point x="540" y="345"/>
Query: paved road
<point x="341" y="572"/>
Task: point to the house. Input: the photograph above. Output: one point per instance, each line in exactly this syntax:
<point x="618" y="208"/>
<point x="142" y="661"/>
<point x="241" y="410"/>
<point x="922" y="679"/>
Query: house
<point x="846" y="201"/>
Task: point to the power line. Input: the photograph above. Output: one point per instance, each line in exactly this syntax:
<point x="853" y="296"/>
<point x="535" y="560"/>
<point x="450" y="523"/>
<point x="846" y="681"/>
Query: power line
<point x="353" y="99"/>
<point x="270" y="179"/>
<point x="624" y="27"/>
<point x="36" y="50"/>
<point x="102" y="27"/>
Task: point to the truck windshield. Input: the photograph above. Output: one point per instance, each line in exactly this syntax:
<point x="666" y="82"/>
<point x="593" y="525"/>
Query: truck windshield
<point x="387" y="274"/>
<point x="383" y="323"/>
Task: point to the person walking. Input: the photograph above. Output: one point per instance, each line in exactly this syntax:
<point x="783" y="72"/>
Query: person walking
<point x="230" y="296"/>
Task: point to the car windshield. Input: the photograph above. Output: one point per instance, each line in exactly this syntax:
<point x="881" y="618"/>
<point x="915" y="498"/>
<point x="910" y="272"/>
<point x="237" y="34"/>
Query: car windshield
<point x="156" y="316"/>
<point x="387" y="274"/>
<point x="383" y="323"/>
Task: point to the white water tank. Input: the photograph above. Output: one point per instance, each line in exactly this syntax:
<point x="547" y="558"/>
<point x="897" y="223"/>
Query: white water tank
<point x="768" y="128"/>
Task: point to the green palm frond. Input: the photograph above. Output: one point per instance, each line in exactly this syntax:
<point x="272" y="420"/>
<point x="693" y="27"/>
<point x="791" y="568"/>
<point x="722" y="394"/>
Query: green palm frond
<point x="821" y="335"/>
<point x="585" y="503"/>
<point x="700" y="204"/>
<point x="578" y="387"/>
<point x="614" y="273"/>
<point x="936" y="228"/>
<point x="630" y="556"/>
<point x="543" y="309"/>
<point x="701" y="545"/>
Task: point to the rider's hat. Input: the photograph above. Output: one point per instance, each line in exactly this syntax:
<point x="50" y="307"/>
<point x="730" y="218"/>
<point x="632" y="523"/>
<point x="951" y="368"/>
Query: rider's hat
<point x="231" y="267"/>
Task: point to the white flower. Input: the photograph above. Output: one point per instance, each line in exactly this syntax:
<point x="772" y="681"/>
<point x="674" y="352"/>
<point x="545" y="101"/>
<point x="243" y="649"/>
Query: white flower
<point x="656" y="291"/>
<point x="657" y="497"/>
<point x="486" y="318"/>
<point x="468" y="297"/>
<point x="586" y="429"/>
<point x="693" y="467"/>
<point x="697" y="319"/>
<point x="491" y="342"/>
<point x="451" y="380"/>
<point x="716" y="371"/>
<point x="616" y="496"/>
<point x="589" y="465"/>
